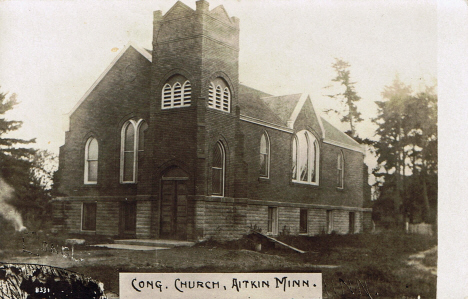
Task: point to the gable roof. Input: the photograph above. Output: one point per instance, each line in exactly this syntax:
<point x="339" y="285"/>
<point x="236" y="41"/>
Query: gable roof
<point x="252" y="105"/>
<point x="283" y="111"/>
<point x="283" y="106"/>
<point x="337" y="137"/>
<point x="145" y="53"/>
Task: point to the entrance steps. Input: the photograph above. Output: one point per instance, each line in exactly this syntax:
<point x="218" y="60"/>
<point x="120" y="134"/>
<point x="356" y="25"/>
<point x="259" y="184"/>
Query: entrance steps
<point x="155" y="243"/>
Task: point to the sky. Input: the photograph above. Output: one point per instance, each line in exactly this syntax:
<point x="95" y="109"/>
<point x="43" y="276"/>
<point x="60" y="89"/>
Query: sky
<point x="51" y="52"/>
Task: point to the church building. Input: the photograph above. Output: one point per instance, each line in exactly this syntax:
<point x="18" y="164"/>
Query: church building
<point x="167" y="144"/>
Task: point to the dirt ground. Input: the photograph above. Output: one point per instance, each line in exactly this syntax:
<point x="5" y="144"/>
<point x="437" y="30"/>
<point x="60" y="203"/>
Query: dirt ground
<point x="393" y="265"/>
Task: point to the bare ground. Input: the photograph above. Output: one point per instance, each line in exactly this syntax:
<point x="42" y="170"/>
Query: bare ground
<point x="393" y="265"/>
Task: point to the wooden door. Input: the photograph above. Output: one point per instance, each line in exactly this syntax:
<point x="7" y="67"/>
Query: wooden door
<point x="173" y="209"/>
<point x="128" y="219"/>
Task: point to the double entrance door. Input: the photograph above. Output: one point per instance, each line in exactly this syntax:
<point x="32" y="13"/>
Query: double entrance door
<point x="173" y="223"/>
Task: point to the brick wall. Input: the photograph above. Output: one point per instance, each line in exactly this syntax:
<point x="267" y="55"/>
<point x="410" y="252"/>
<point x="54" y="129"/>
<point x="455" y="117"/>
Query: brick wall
<point x="114" y="100"/>
<point x="279" y="187"/>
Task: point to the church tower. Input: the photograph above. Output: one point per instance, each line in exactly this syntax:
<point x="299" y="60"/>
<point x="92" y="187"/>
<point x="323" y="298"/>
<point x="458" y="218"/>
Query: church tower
<point x="200" y="44"/>
<point x="194" y="90"/>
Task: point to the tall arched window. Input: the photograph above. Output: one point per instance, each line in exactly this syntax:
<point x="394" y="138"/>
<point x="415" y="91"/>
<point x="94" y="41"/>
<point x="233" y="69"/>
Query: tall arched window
<point x="141" y="144"/>
<point x="294" y="158"/>
<point x="306" y="155"/>
<point x="218" y="170"/>
<point x="226" y="99"/>
<point x="167" y="96"/>
<point x="177" y="92"/>
<point x="340" y="170"/>
<point x="264" y="155"/>
<point x="132" y="147"/>
<point x="91" y="161"/>
<point x="211" y="95"/>
<point x="218" y="98"/>
<point x="219" y="95"/>
<point x="187" y="93"/>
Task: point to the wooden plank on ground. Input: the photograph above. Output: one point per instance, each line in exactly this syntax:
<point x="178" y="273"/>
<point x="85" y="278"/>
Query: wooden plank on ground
<point x="279" y="242"/>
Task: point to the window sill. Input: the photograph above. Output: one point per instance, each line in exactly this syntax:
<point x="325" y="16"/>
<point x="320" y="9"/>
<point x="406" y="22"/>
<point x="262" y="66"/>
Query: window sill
<point x="177" y="107"/>
<point x="303" y="234"/>
<point x="305" y="184"/>
<point x="264" y="179"/>
<point x="208" y="108"/>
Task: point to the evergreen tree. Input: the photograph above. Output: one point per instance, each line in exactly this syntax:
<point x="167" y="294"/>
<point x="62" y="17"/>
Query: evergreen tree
<point x="407" y="151"/>
<point x="348" y="98"/>
<point x="14" y="160"/>
<point x="22" y="167"/>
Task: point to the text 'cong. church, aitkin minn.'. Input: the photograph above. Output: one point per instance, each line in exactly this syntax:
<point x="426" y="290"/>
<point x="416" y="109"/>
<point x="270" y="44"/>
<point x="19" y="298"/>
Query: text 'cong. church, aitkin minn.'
<point x="168" y="145"/>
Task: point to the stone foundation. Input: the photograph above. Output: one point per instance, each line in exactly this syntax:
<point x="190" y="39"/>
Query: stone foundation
<point x="218" y="218"/>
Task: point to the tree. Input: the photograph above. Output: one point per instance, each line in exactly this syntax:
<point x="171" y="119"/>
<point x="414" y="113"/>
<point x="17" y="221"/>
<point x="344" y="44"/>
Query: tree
<point x="22" y="168"/>
<point x="14" y="161"/>
<point x="407" y="150"/>
<point x="348" y="98"/>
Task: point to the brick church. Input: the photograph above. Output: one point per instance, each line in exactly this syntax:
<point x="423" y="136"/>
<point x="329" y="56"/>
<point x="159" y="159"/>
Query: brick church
<point x="168" y="145"/>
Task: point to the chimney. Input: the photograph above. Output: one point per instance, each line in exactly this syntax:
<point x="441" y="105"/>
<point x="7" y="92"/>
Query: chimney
<point x="202" y="6"/>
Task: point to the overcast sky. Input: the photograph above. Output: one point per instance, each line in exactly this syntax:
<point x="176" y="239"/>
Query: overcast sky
<point x="53" y="51"/>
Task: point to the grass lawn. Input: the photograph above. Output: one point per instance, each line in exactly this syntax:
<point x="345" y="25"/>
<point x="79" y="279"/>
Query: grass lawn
<point x="379" y="263"/>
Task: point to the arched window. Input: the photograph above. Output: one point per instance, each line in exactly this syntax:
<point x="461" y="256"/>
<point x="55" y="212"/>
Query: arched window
<point x="305" y="158"/>
<point x="226" y="99"/>
<point x="340" y="171"/>
<point x="294" y="158"/>
<point x="177" y="98"/>
<point x="141" y="143"/>
<point x="187" y="94"/>
<point x="218" y="98"/>
<point x="218" y="170"/>
<point x="91" y="161"/>
<point x="177" y="92"/>
<point x="167" y="96"/>
<point x="264" y="155"/>
<point x="132" y="147"/>
<point x="219" y="95"/>
<point x="211" y="95"/>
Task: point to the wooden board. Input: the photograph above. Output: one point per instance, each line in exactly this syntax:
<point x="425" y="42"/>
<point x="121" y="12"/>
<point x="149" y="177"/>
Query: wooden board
<point x="279" y="242"/>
